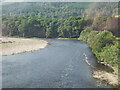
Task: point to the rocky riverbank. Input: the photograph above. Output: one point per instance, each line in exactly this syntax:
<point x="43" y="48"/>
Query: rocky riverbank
<point x="110" y="76"/>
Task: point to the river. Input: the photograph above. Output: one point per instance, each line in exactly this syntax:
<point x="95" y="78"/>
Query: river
<point x="62" y="64"/>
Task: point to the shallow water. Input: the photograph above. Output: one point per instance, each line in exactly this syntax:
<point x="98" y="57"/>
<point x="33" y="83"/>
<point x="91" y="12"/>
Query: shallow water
<point x="62" y="64"/>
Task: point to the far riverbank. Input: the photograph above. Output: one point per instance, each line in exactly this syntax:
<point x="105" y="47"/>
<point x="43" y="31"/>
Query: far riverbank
<point x="12" y="46"/>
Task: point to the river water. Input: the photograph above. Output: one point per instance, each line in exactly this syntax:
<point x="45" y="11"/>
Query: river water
<point x="62" y="64"/>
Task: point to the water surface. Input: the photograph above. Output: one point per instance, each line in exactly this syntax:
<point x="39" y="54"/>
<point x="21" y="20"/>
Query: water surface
<point x="62" y="64"/>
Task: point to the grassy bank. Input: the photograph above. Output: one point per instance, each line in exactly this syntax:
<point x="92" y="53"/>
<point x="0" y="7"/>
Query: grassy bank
<point x="105" y="47"/>
<point x="18" y="45"/>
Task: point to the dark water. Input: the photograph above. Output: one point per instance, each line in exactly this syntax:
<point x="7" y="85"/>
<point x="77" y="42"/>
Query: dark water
<point x="62" y="64"/>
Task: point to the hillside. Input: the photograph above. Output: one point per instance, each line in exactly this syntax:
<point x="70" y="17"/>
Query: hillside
<point x="45" y="9"/>
<point x="57" y="19"/>
<point x="60" y="9"/>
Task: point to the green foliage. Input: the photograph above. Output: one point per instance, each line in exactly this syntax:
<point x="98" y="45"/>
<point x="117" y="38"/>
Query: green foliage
<point x="102" y="39"/>
<point x="85" y="33"/>
<point x="69" y="27"/>
<point x="104" y="45"/>
<point x="110" y="54"/>
<point x="91" y="37"/>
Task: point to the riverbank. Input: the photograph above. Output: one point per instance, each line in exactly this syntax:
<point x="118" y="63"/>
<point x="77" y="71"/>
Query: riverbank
<point x="104" y="46"/>
<point x="110" y="78"/>
<point x="67" y="38"/>
<point x="12" y="46"/>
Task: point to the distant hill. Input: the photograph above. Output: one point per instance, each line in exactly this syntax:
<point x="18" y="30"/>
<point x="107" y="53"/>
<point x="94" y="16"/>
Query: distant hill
<point x="59" y="9"/>
<point x="45" y="9"/>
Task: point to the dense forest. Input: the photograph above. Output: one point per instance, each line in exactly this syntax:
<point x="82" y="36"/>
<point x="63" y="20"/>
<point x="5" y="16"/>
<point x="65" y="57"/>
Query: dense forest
<point x="69" y="27"/>
<point x="95" y="23"/>
<point x="57" y="19"/>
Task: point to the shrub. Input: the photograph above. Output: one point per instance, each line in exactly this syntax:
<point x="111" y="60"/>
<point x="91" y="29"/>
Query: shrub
<point x="104" y="45"/>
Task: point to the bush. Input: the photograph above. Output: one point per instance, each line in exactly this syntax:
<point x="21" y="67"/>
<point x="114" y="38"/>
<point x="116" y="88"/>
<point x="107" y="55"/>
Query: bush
<point x="104" y="45"/>
<point x="101" y="40"/>
<point x="110" y="54"/>
<point x="84" y="34"/>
